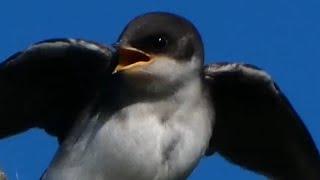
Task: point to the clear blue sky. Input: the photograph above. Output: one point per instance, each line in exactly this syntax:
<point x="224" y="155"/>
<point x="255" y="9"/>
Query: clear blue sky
<point x="281" y="36"/>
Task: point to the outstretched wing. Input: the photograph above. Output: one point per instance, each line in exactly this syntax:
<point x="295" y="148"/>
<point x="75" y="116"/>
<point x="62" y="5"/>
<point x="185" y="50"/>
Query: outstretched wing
<point x="256" y="127"/>
<point x="50" y="83"/>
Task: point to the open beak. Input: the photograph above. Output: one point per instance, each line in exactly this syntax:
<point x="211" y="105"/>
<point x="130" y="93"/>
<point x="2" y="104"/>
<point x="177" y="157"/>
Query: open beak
<point x="131" y="58"/>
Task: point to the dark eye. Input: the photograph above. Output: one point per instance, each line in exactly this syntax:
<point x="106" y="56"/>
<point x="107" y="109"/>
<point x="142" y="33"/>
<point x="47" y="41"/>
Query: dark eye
<point x="159" y="42"/>
<point x="156" y="42"/>
<point x="153" y="43"/>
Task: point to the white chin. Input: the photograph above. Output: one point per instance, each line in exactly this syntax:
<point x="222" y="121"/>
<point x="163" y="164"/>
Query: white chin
<point x="163" y="75"/>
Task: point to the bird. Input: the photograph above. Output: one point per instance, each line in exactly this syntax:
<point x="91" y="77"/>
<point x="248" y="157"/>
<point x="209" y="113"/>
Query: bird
<point x="148" y="108"/>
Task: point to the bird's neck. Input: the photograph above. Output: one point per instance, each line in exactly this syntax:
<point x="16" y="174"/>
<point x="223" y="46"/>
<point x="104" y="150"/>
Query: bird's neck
<point x="126" y="93"/>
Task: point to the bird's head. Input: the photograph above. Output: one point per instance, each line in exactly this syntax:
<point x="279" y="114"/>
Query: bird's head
<point x="159" y="51"/>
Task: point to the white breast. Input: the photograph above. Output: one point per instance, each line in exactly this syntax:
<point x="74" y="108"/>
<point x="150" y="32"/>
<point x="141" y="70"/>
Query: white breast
<point x="153" y="140"/>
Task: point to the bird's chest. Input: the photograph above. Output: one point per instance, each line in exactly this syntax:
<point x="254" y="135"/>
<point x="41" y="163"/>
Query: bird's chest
<point x="151" y="141"/>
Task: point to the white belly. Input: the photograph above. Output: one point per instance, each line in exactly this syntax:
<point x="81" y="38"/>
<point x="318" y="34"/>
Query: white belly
<point x="139" y="143"/>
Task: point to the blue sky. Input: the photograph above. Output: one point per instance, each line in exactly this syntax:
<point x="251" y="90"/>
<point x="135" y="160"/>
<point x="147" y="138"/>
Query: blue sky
<point x="281" y="36"/>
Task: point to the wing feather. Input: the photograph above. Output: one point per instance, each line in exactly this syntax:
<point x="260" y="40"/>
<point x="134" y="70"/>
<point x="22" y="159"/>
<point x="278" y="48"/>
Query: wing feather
<point x="50" y="83"/>
<point x="256" y="126"/>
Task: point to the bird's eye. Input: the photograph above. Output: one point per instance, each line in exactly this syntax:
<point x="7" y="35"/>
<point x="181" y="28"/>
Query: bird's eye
<point x="156" y="42"/>
<point x="153" y="43"/>
<point x="159" y="42"/>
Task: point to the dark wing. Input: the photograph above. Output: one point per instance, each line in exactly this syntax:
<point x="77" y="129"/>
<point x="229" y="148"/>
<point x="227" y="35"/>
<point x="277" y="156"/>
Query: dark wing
<point x="256" y="127"/>
<point x="50" y="83"/>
